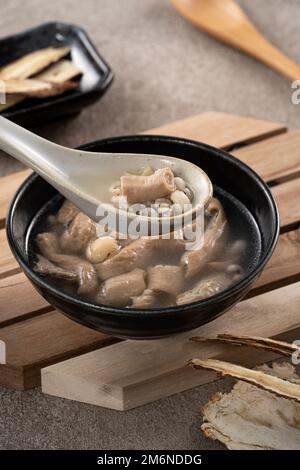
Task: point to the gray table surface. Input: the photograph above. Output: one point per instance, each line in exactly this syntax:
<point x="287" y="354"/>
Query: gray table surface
<point x="165" y="70"/>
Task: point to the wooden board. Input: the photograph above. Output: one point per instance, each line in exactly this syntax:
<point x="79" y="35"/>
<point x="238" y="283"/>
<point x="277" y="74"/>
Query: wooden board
<point x="27" y="303"/>
<point x="275" y="159"/>
<point x="9" y="184"/>
<point x="284" y="266"/>
<point x="8" y="264"/>
<point x="287" y="195"/>
<point x="40" y="341"/>
<point x="220" y="129"/>
<point x="133" y="373"/>
<point x="37" y="336"/>
<point x="282" y="269"/>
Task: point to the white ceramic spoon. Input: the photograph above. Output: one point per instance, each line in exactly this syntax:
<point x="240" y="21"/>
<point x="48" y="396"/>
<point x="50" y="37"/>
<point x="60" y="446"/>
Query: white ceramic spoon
<point x="76" y="174"/>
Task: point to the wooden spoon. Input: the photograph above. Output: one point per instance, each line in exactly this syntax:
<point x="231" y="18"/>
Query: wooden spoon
<point x="226" y="21"/>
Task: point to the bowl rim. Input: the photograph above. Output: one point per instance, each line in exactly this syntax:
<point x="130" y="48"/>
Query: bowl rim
<point x="234" y="289"/>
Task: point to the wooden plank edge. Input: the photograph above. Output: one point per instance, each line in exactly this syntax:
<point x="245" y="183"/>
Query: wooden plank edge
<point x="251" y="129"/>
<point x="275" y="159"/>
<point x="274" y="285"/>
<point x="26" y="316"/>
<point x="10" y="272"/>
<point x="65" y="386"/>
<point x="29" y="376"/>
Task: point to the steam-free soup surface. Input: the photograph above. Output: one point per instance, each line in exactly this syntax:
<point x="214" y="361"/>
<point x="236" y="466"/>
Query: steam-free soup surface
<point x="146" y="272"/>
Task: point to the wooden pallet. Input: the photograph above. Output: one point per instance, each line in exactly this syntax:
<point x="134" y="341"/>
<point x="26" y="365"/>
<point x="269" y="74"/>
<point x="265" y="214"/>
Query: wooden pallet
<point x="37" y="336"/>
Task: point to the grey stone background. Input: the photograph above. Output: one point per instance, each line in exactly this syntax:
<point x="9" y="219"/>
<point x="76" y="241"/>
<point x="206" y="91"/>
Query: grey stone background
<point x="165" y="70"/>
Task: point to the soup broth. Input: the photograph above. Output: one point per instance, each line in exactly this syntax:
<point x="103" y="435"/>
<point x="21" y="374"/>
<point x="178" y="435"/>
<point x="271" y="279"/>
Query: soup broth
<point x="147" y="272"/>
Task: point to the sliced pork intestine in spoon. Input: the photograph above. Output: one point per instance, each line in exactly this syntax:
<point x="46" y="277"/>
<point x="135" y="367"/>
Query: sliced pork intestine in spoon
<point x="139" y="189"/>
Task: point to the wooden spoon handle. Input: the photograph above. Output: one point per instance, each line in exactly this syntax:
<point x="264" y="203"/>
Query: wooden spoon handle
<point x="225" y="20"/>
<point x="254" y="44"/>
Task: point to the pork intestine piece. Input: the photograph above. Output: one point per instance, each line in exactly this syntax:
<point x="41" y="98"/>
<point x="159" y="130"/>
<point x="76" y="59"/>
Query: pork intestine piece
<point x="203" y="289"/>
<point x="47" y="268"/>
<point x="151" y="299"/>
<point x="197" y="259"/>
<point x="67" y="213"/>
<point x="139" y="189"/>
<point x="147" y="299"/>
<point x="118" y="291"/>
<point x="86" y="274"/>
<point x="78" y="234"/>
<point x="48" y="244"/>
<point x="139" y="254"/>
<point x="88" y="279"/>
<point x="167" y="279"/>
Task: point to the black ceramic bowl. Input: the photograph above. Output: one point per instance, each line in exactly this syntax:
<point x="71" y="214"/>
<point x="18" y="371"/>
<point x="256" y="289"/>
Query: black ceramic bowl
<point x="247" y="201"/>
<point x="96" y="73"/>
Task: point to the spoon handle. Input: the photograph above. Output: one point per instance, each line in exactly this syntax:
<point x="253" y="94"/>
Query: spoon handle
<point x="35" y="152"/>
<point x="226" y="21"/>
<point x="255" y="44"/>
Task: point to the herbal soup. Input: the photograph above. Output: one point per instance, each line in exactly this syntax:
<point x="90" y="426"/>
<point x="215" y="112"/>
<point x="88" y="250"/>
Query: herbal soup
<point x="147" y="272"/>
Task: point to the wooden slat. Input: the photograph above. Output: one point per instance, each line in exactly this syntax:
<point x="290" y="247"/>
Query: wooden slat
<point x="133" y="373"/>
<point x="19" y="300"/>
<point x="275" y="159"/>
<point x="8" y="264"/>
<point x="220" y="129"/>
<point x="9" y="184"/>
<point x="284" y="266"/>
<point x="286" y="195"/>
<point x="41" y="341"/>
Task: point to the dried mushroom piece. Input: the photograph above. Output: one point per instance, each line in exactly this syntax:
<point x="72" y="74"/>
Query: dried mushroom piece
<point x="260" y="379"/>
<point x="267" y="344"/>
<point x="249" y="418"/>
<point x="32" y="63"/>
